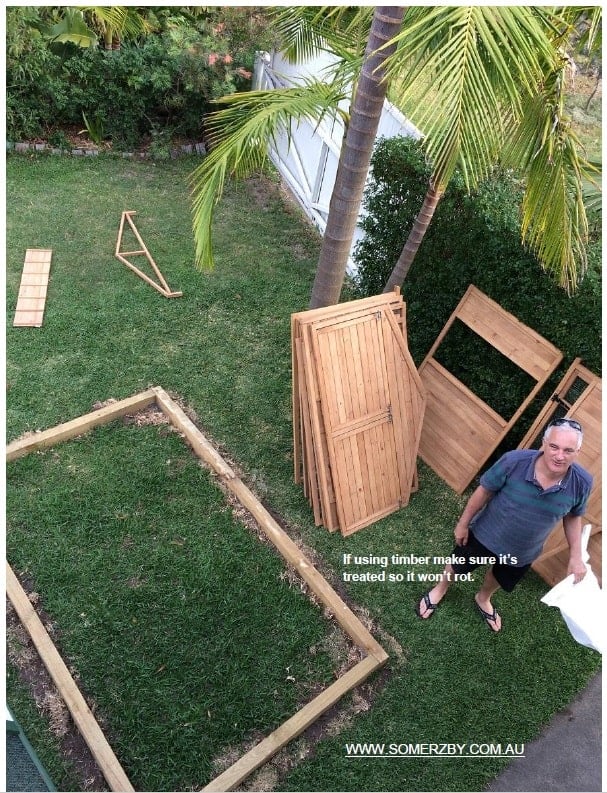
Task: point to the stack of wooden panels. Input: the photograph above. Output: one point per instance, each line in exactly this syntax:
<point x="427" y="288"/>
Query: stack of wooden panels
<point x="358" y="406"/>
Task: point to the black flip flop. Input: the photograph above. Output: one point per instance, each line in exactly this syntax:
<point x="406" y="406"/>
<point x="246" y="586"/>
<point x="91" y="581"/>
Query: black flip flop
<point x="488" y="617"/>
<point x="430" y="606"/>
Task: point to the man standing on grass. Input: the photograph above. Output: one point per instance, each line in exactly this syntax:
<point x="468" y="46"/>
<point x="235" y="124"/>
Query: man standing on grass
<point x="509" y="516"/>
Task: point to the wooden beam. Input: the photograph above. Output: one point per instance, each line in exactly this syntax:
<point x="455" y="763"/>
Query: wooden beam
<point x="201" y="446"/>
<point x="143" y="276"/>
<point x="69" y="691"/>
<point x="279" y="538"/>
<point x="145" y="251"/>
<point x="293" y="727"/>
<point x="80" y="425"/>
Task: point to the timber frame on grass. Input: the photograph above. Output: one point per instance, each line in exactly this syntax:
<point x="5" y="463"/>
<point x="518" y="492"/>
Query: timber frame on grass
<point x="161" y="287"/>
<point x="374" y="654"/>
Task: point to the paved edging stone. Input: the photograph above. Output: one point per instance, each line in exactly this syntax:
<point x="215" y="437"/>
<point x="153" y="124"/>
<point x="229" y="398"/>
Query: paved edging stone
<point x="92" y="151"/>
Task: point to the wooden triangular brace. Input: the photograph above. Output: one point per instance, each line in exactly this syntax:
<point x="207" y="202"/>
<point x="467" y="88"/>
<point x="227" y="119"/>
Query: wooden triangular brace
<point x="162" y="287"/>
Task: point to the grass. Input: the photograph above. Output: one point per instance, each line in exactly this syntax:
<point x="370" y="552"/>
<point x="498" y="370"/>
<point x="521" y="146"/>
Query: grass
<point x="166" y="603"/>
<point x="224" y="347"/>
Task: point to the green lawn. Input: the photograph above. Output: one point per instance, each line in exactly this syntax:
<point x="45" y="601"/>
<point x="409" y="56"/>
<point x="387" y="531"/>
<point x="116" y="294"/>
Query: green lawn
<point x="224" y="348"/>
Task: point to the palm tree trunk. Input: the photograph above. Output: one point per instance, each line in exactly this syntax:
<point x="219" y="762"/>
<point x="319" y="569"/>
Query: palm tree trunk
<point x="355" y="158"/>
<point x="416" y="236"/>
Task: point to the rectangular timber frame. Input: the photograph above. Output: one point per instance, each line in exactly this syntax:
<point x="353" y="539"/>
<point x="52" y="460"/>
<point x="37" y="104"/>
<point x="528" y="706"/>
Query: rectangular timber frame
<point x="374" y="655"/>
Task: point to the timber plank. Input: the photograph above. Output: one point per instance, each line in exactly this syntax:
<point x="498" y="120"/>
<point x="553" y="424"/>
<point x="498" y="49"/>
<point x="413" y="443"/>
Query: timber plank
<point x="31" y="299"/>
<point x="518" y="342"/>
<point x="80" y="425"/>
<point x="321" y="452"/>
<point x="309" y="475"/>
<point x="69" y="691"/>
<point x="293" y="727"/>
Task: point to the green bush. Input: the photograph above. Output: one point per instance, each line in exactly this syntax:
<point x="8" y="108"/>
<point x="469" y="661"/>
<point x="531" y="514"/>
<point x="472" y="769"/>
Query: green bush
<point x="166" y="81"/>
<point x="31" y="81"/>
<point x="473" y="239"/>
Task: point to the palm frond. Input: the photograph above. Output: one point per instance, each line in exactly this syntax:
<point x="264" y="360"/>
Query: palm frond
<point x="306" y="30"/>
<point x="126" y="21"/>
<point x="554" y="223"/>
<point x="240" y="135"/>
<point x="473" y="64"/>
<point x="584" y="27"/>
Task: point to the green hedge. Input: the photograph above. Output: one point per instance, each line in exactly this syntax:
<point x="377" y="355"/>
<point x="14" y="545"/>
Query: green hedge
<point x="160" y="85"/>
<point x="473" y="239"/>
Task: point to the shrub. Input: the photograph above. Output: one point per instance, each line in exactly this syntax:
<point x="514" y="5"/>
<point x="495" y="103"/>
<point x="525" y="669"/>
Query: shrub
<point x="31" y="81"/>
<point x="165" y="81"/>
<point x="473" y="239"/>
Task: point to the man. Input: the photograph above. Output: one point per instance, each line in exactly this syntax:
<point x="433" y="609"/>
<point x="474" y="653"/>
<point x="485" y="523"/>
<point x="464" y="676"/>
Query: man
<point x="509" y="516"/>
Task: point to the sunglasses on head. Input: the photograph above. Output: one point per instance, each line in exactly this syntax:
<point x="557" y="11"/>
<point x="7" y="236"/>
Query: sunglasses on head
<point x="569" y="422"/>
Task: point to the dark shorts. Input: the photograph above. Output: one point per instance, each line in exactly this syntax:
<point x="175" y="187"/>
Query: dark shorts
<point x="506" y="575"/>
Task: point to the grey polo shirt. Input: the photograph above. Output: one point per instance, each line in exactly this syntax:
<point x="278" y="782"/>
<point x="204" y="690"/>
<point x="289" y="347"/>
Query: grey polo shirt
<point x="521" y="514"/>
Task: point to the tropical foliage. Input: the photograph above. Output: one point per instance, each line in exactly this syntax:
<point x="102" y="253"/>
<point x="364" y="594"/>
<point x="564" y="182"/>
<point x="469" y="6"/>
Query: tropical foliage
<point x="468" y="77"/>
<point x="143" y="72"/>
<point x="474" y="238"/>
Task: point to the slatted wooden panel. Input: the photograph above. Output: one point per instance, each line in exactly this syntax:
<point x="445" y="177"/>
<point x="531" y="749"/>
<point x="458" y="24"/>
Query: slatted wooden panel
<point x="552" y="564"/>
<point x="31" y="300"/>
<point x="361" y="406"/>
<point x="316" y="470"/>
<point x="299" y="321"/>
<point x="460" y="430"/>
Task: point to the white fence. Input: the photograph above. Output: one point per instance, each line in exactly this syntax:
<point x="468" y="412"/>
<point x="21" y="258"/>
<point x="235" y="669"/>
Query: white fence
<point x="308" y="163"/>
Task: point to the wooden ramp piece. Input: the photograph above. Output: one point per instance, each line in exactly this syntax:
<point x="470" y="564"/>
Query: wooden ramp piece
<point x="32" y="291"/>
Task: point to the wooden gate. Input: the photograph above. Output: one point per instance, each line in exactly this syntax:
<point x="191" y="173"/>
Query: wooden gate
<point x="360" y="403"/>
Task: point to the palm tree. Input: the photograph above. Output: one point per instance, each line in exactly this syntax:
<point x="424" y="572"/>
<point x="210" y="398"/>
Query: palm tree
<point x="480" y="68"/>
<point x="527" y="127"/>
<point x="355" y="157"/>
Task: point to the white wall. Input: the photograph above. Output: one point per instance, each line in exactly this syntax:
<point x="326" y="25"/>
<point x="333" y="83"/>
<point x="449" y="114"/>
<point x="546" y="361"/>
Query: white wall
<point x="309" y="164"/>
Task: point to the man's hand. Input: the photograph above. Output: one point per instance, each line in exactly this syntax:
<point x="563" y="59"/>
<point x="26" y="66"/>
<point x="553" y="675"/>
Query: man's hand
<point x="578" y="569"/>
<point x="475" y="503"/>
<point x="461" y="534"/>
